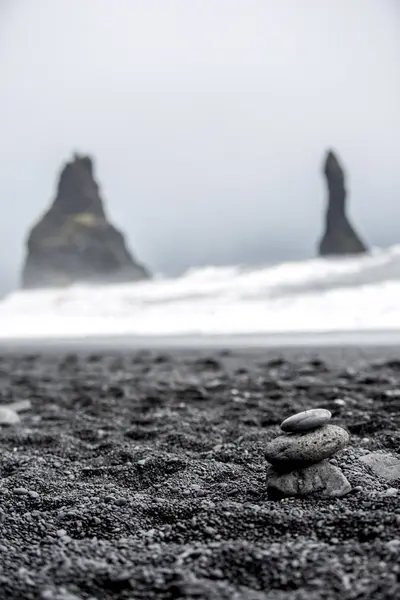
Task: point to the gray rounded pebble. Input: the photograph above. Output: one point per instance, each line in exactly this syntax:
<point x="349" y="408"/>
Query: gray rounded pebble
<point x="390" y="492"/>
<point x="121" y="501"/>
<point x="8" y="416"/>
<point x="306" y="420"/>
<point x="290" y="451"/>
<point x="21" y="491"/>
<point x="61" y="532"/>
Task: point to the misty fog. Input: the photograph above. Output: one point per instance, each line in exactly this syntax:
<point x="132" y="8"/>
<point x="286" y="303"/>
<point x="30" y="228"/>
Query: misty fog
<point x="208" y="121"/>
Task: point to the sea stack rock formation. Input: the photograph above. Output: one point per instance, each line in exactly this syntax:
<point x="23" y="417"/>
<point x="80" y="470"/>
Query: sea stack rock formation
<point x="299" y="458"/>
<point x="74" y="241"/>
<point x="339" y="238"/>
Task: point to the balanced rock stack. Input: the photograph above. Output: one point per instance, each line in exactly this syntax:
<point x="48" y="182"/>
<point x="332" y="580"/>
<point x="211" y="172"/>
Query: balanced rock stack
<point x="299" y="457"/>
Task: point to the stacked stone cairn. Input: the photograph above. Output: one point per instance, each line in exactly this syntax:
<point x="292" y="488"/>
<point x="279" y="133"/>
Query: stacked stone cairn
<point x="299" y="458"/>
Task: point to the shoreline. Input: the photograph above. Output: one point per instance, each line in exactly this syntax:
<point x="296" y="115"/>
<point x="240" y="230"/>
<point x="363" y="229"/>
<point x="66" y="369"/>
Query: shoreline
<point x="384" y="338"/>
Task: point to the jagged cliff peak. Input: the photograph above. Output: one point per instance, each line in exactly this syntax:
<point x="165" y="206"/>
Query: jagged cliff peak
<point x="74" y="241"/>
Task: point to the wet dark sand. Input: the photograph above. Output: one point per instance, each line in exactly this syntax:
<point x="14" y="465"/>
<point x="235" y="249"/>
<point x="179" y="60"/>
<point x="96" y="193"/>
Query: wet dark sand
<point x="141" y="475"/>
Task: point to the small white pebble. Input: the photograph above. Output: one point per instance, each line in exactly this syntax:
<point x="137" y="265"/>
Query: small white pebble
<point x="339" y="402"/>
<point x="392" y="393"/>
<point x="61" y="532"/>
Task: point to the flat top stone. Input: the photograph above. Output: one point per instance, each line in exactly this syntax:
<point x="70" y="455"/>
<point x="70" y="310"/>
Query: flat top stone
<point x="291" y="450"/>
<point x="306" y="420"/>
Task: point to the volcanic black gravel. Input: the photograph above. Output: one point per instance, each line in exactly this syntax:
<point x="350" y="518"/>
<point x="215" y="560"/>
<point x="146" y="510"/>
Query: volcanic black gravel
<point x="142" y="475"/>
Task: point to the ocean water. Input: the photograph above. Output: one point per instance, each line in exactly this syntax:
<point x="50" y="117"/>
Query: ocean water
<point x="318" y="296"/>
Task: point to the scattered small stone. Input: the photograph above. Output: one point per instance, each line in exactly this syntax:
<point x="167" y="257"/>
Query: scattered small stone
<point x="66" y="538"/>
<point x="339" y="402"/>
<point x="61" y="532"/>
<point x="121" y="501"/>
<point x="391" y="492"/>
<point x="393" y="546"/>
<point x="209" y="363"/>
<point x="211" y="531"/>
<point x="109" y="498"/>
<point x="20" y="405"/>
<point x="8" y="416"/>
<point x="306" y="420"/>
<point x="297" y="450"/>
<point x="384" y="466"/>
<point x="392" y="393"/>
<point x="59" y="593"/>
<point x="21" y="491"/>
<point x="276" y="363"/>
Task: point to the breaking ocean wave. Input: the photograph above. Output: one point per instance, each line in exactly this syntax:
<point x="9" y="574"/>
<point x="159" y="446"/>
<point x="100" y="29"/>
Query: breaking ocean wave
<point x="317" y="295"/>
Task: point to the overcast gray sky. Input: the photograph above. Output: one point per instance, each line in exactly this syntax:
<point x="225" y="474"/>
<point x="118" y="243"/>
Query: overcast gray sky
<point x="208" y="120"/>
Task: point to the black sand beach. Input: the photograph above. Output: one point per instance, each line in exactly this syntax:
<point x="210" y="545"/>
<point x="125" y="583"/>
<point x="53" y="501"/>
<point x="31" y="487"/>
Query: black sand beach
<point x="141" y="475"/>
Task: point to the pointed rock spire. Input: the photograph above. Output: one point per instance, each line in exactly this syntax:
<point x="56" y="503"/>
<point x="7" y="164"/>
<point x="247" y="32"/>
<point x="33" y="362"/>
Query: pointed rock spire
<point x="74" y="241"/>
<point x="339" y="237"/>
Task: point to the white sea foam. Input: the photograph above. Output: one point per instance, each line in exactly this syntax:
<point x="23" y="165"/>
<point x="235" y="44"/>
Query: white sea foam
<point x="318" y="295"/>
